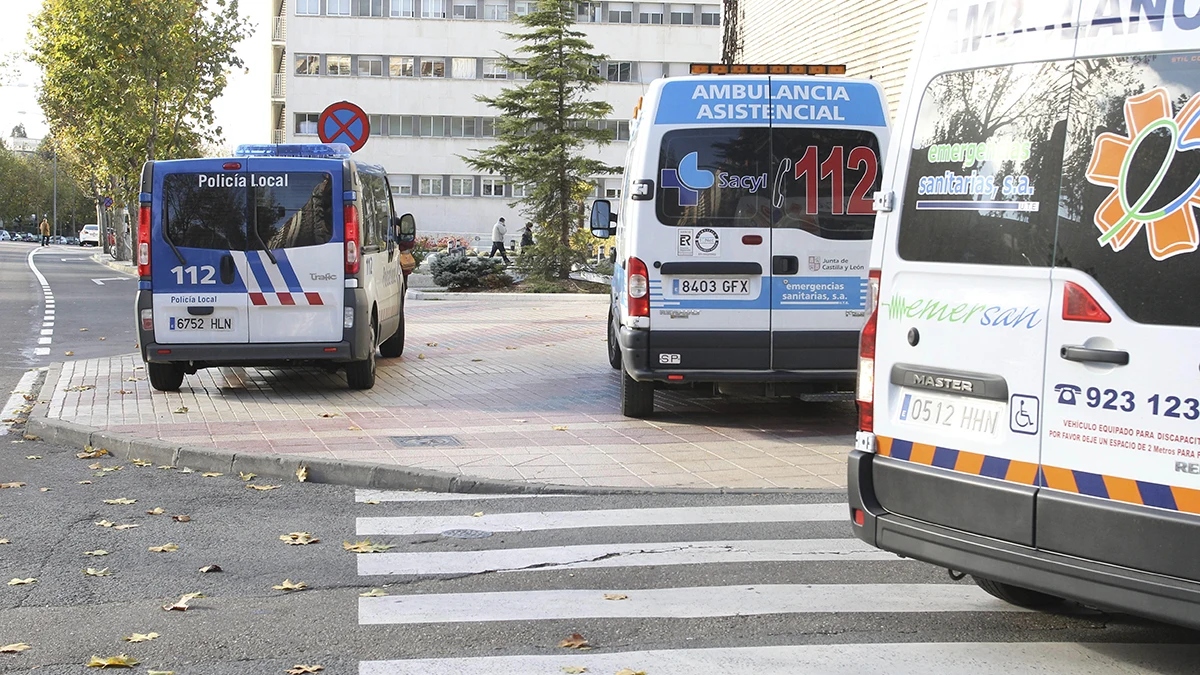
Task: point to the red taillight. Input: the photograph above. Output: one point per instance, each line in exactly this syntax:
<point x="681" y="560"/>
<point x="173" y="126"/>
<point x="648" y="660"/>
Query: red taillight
<point x="1079" y="305"/>
<point x="231" y="166"/>
<point x="350" y="218"/>
<point x="859" y="518"/>
<point x="143" y="241"/>
<point x="866" y="357"/>
<point x="638" y="288"/>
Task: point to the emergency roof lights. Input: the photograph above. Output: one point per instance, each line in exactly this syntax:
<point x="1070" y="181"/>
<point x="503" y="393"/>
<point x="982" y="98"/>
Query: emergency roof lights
<point x="312" y="150"/>
<point x="767" y="69"/>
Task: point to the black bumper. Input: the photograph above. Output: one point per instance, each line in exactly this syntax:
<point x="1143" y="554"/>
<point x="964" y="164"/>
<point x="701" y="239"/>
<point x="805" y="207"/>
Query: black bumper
<point x="1165" y="598"/>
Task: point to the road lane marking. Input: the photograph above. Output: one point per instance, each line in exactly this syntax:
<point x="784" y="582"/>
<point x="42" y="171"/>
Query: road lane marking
<point x="100" y="282"/>
<point x="365" y="495"/>
<point x="619" y="554"/>
<point x="678" y="603"/>
<point x="561" y="520"/>
<point x="17" y="401"/>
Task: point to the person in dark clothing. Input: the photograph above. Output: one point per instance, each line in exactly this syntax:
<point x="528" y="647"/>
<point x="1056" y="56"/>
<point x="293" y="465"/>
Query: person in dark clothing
<point x="527" y="236"/>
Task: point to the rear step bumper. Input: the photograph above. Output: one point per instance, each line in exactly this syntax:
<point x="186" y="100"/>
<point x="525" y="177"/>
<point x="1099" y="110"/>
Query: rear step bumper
<point x="1123" y="589"/>
<point x="248" y="354"/>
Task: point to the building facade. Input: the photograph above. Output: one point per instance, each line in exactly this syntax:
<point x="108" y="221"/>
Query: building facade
<point x="873" y="38"/>
<point x="416" y="66"/>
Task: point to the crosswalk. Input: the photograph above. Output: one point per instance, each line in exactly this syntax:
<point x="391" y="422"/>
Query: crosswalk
<point x="731" y="573"/>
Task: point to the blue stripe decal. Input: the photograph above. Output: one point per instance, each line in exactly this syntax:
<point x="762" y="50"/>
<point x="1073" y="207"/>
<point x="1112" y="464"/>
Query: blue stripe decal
<point x="994" y="467"/>
<point x="945" y="458"/>
<point x="1090" y="484"/>
<point x="289" y="274"/>
<point x="901" y="449"/>
<point x="260" y="273"/>
<point x="1154" y="494"/>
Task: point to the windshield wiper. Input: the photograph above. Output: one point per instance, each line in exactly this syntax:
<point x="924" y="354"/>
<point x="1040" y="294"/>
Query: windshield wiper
<point x="166" y="228"/>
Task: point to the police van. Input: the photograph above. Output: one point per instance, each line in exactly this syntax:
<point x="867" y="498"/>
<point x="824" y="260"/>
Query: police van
<point x="282" y="254"/>
<point x="744" y="231"/>
<point x="1029" y="381"/>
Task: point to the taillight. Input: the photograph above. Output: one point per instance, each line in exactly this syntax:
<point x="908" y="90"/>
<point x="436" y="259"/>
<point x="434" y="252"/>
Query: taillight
<point x="148" y="319"/>
<point x="866" y="357"/>
<point x="1079" y="305"/>
<point x="638" y="287"/>
<point x="350" y="219"/>
<point x="143" y="241"/>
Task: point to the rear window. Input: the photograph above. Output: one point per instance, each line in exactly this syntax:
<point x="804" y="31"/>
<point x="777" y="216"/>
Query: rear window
<point x="817" y="180"/>
<point x="294" y="212"/>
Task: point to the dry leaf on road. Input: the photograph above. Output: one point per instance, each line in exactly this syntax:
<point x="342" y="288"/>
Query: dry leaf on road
<point x="181" y="518"/>
<point x="247" y="476"/>
<point x="122" y="661"/>
<point x="160" y="672"/>
<point x="97" y="552"/>
<point x="69" y="353"/>
<point x="302" y="473"/>
<point x="559" y="428"/>
<point x="289" y="585"/>
<point x="211" y="474"/>
<point x="298" y="538"/>
<point x="478" y="514"/>
<point x="95" y="466"/>
<point x="373" y="593"/>
<point x="165" y="548"/>
<point x="327" y="415"/>
<point x="263" y="488"/>
<point x="300" y="669"/>
<point x="84" y="482"/>
<point x="91" y="453"/>
<point x="33" y="457"/>
<point x="14" y="484"/>
<point x="181" y="605"/>
<point x="141" y="637"/>
<point x="627" y="671"/>
<point x="576" y="641"/>
<point x="207" y="569"/>
<point x="126" y="526"/>
<point x="93" y="572"/>
<point x="180" y="410"/>
<point x="187" y="469"/>
<point x="615" y="596"/>
<point x="43" y="489"/>
<point x="15" y="648"/>
<point x="141" y="462"/>
<point x="120" y="500"/>
<point x="574" y="670"/>
<point x="105" y="523"/>
<point x="156" y="511"/>
<point x="371" y="501"/>
<point x="365" y="546"/>
<point x="22" y="582"/>
<point x="165" y="467"/>
<point x="5" y="541"/>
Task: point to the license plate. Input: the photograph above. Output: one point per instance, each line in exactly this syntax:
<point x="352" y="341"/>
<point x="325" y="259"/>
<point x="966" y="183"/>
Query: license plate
<point x="201" y="323"/>
<point x="710" y="286"/>
<point x="960" y="414"/>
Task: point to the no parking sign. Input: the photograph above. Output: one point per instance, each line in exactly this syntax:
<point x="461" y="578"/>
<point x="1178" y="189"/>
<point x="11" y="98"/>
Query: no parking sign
<point x="344" y="122"/>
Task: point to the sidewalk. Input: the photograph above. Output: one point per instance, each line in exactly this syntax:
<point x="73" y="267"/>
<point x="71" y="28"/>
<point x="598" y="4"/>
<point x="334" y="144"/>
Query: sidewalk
<point x="478" y="394"/>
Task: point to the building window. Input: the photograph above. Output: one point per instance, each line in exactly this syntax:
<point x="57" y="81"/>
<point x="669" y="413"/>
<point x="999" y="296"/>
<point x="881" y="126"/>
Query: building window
<point x="493" y="69"/>
<point x="491" y="187"/>
<point x="681" y="15"/>
<point x="370" y="7"/>
<point x="400" y="66"/>
<point x="431" y="67"/>
<point x="338" y="8"/>
<point x="487" y="129"/>
<point x="495" y="11"/>
<point x="462" y="186"/>
<point x="308" y="64"/>
<point x="621" y="132"/>
<point x="431" y="187"/>
<point x="710" y="15"/>
<point x="524" y="7"/>
<point x="337" y="64"/>
<point x="620" y="12"/>
<point x="612" y="193"/>
<point x="400" y="125"/>
<point x="377" y="125"/>
<point x="370" y="66"/>
<point x="401" y="185"/>
<point x="650" y="13"/>
<point x="434" y="127"/>
<point x="433" y="9"/>
<point x="466" y="10"/>
<point x="589" y="12"/>
<point x="462" y="69"/>
<point x="520" y="190"/>
<point x="308" y="7"/>
<point x="462" y="127"/>
<point x="402" y="8"/>
<point x="306" y="123"/>
<point x="619" y="71"/>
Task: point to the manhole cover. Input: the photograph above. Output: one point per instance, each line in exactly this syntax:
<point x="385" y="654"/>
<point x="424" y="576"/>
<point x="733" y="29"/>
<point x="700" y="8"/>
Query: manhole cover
<point x="424" y="441"/>
<point x="467" y="534"/>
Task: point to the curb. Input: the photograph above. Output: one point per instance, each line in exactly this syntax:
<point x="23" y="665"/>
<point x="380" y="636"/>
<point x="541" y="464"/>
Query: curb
<point x="414" y="294"/>
<point x="320" y="470"/>
<point x="118" y="265"/>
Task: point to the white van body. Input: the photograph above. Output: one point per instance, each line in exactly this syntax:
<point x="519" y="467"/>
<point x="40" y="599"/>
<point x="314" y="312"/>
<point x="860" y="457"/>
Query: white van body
<point x="1030" y="378"/>
<point x="745" y="227"/>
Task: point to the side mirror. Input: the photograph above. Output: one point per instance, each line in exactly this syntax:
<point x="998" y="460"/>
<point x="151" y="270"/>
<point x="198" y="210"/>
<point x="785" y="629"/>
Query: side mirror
<point x="602" y="219"/>
<point x="406" y="228"/>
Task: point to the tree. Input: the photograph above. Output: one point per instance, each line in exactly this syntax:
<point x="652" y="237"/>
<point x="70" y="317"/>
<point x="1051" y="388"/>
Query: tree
<point x="127" y="81"/>
<point x="543" y="128"/>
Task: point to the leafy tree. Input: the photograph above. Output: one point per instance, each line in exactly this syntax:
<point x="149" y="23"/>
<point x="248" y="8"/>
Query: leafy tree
<point x="543" y="129"/>
<point x="126" y="81"/>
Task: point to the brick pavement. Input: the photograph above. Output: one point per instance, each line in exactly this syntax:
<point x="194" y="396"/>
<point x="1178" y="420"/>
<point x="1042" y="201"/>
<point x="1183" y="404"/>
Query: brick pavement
<point x="529" y="400"/>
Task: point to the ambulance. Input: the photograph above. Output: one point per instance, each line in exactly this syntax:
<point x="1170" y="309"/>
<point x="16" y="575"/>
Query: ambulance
<point x="1029" y="377"/>
<point x="280" y="255"/>
<point x="744" y="232"/>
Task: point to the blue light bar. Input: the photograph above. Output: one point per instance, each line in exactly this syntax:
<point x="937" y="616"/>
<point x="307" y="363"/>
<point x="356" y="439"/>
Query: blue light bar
<point x="312" y="150"/>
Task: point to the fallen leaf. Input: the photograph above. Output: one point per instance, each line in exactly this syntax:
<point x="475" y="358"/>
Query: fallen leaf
<point x="302" y="473"/>
<point x="165" y="548"/>
<point x="298" y="538"/>
<point x="160" y="672"/>
<point x="211" y="474"/>
<point x="105" y="523"/>
<point x="95" y="466"/>
<point x="91" y="453"/>
<point x="165" y="467"/>
<point x="140" y="462"/>
<point x="574" y="670"/>
<point x="289" y="585"/>
<point x="366" y="546"/>
<point x="208" y="569"/>
<point x="14" y="484"/>
<point x="43" y="489"/>
<point x="81" y="387"/>
<point x="5" y="541"/>
<point x="430" y="344"/>
<point x="300" y="669"/>
<point x="97" y="552"/>
<point x="15" y="648"/>
<point x="627" y="671"/>
<point x="93" y="572"/>
<point x="478" y="514"/>
<point x="327" y="415"/>
<point x="263" y="488"/>
<point x="371" y="501"/>
<point x="373" y="593"/>
<point x="134" y="379"/>
<point x="510" y="348"/>
<point x="69" y="353"/>
<point x="180" y="410"/>
<point x="141" y="637"/>
<point x="615" y="596"/>
<point x="33" y="457"/>
<point x="84" y="482"/>
<point x="103" y="338"/>
<point x="82" y="330"/>
<point x="476" y="360"/>
<point x="559" y="428"/>
<point x="31" y="437"/>
<point x="247" y="476"/>
<point x="181" y="519"/>
<point x="156" y="511"/>
<point x="421" y="356"/>
<point x="111" y="468"/>
<point x="181" y="605"/>
<point x="187" y="470"/>
<point x="353" y="427"/>
<point x="126" y="526"/>
<point x="576" y="641"/>
<point x="23" y="582"/>
<point x="120" y="500"/>
<point x="520" y="421"/>
<point x="122" y="661"/>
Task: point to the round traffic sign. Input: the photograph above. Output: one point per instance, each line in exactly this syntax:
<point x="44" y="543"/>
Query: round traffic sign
<point x="344" y="122"/>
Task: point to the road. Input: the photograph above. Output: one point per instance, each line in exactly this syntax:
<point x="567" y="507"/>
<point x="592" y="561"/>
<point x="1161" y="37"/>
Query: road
<point x="763" y="584"/>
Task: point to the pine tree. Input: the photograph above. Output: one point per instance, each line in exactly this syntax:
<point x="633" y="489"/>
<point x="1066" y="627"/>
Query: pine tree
<point x="543" y="131"/>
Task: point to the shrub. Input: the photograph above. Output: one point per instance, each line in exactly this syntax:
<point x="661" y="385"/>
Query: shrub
<point x="466" y="272"/>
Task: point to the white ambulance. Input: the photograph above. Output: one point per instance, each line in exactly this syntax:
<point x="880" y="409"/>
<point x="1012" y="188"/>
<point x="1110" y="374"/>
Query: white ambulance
<point x="281" y="255"/>
<point x="1029" y="384"/>
<point x="744" y="232"/>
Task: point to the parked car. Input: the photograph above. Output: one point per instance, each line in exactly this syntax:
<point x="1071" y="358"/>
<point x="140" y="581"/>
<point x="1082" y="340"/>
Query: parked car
<point x="4" y="236"/>
<point x="89" y="235"/>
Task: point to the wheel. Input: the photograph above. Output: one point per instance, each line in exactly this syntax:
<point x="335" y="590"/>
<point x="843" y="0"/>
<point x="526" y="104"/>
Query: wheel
<point x="637" y="398"/>
<point x="165" y="376"/>
<point x="361" y="374"/>
<point x="394" y="346"/>
<point x="1015" y="595"/>
<point x="614" y="347"/>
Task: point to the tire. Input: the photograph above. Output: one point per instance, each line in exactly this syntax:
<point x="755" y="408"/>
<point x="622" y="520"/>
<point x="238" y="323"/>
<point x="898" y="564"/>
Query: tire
<point x="614" y="347"/>
<point x="165" y="376"/>
<point x="361" y="374"/>
<point x="1015" y="595"/>
<point x="394" y="346"/>
<point x="637" y="398"/>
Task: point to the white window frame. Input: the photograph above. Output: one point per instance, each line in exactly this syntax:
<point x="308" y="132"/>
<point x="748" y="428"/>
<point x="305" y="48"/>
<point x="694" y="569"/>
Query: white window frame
<point x="427" y="185"/>
<point x="370" y="61"/>
<point x="308" y="7"/>
<point x="491" y="187"/>
<point x="401" y="185"/>
<point x="647" y="13"/>
<point x="495" y="11"/>
<point x="329" y="70"/>
<point x="302" y="127"/>
<point x="463" y="68"/>
<point x="683" y="12"/>
<point x="433" y="63"/>
<point x="589" y="12"/>
<point x="710" y="18"/>
<point x="402" y="9"/>
<point x="433" y="9"/>
<point x="342" y="8"/>
<point x="464" y="10"/>
<point x="397" y="63"/>
<point x="462" y="186"/>
<point x="608" y="71"/>
<point x="612" y="193"/>
<point x="312" y="64"/>
<point x="396" y="124"/>
<point x="523" y="7"/>
<point x="493" y="69"/>
<point x="371" y="6"/>
<point x="520" y="190"/>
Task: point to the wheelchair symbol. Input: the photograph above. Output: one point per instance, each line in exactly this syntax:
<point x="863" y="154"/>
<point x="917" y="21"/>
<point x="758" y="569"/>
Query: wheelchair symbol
<point x="1023" y="414"/>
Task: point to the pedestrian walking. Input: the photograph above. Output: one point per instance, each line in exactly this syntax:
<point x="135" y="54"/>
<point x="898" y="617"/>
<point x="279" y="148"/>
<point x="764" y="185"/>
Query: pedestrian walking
<point x="527" y="236"/>
<point x="498" y="232"/>
<point x="45" y="229"/>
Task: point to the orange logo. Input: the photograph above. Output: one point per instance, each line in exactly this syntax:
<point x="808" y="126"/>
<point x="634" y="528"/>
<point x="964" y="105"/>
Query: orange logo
<point x="1171" y="229"/>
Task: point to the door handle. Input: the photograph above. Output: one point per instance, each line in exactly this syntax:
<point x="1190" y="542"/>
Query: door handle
<point x="228" y="272"/>
<point x="1088" y="355"/>
<point x="785" y="265"/>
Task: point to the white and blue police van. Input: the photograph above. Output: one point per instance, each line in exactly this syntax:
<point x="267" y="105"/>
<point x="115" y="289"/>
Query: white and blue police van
<point x="744" y="232"/>
<point x="281" y="255"/>
<point x="1029" y="391"/>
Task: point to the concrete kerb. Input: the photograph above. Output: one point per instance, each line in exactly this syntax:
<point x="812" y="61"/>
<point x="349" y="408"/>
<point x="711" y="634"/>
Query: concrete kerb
<point x="118" y="265"/>
<point x="320" y="470"/>
<point x="506" y="297"/>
